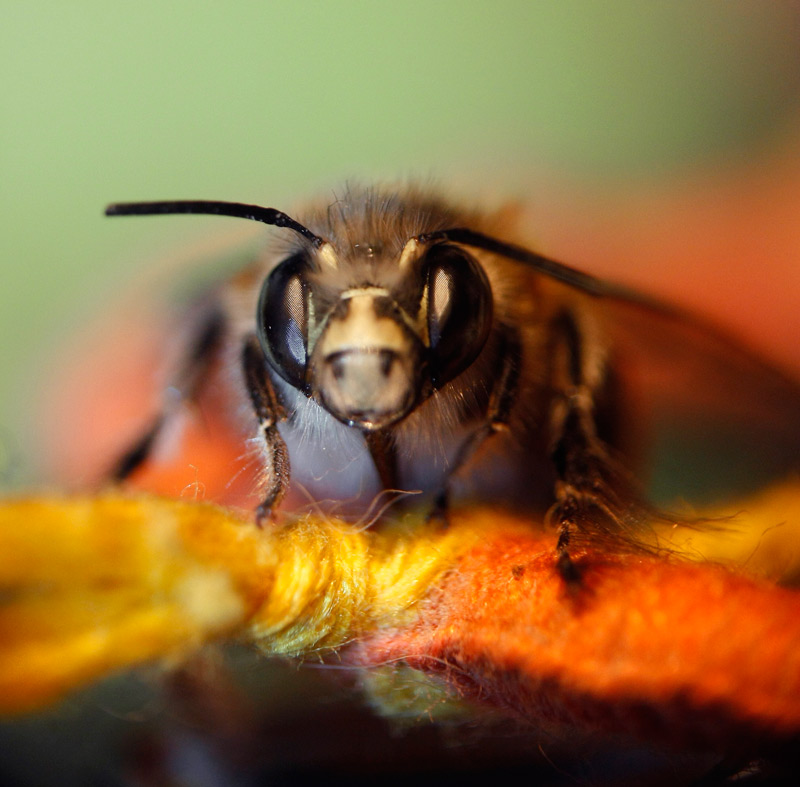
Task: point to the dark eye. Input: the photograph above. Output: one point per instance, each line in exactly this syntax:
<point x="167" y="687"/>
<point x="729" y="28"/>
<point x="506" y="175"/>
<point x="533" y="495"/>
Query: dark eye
<point x="283" y="320"/>
<point x="459" y="311"/>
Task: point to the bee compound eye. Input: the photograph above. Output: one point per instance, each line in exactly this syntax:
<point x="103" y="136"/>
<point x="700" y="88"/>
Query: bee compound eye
<point x="459" y="310"/>
<point x="283" y="320"/>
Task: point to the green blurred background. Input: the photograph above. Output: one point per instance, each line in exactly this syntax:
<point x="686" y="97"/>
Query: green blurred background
<point x="267" y="101"/>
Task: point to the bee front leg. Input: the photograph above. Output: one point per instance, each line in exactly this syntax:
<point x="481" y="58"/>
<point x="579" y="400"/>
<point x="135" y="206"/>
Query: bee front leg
<point x="268" y="412"/>
<point x="501" y="400"/>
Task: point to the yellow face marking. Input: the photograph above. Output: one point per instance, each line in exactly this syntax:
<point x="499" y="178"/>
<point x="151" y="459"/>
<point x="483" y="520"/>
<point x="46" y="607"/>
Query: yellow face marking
<point x="410" y="253"/>
<point x="362" y="328"/>
<point x="327" y="256"/>
<point x="380" y="292"/>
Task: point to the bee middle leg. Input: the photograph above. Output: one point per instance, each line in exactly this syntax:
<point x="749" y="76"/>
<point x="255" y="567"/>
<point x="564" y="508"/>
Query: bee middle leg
<point x="189" y="379"/>
<point x="597" y="499"/>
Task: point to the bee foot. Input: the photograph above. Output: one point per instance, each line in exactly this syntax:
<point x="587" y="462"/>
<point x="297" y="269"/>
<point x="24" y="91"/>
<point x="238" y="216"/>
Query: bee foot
<point x="439" y="513"/>
<point x="568" y="570"/>
<point x="265" y="516"/>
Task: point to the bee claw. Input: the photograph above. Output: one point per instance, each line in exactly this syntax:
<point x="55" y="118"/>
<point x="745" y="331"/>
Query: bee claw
<point x="568" y="570"/>
<point x="265" y="515"/>
<point x="439" y="512"/>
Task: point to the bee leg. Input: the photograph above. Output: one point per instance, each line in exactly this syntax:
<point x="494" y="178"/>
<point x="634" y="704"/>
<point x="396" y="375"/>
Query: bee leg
<point x="383" y="451"/>
<point x="137" y="454"/>
<point x="187" y="384"/>
<point x="384" y="456"/>
<point x="502" y="397"/>
<point x="567" y="568"/>
<point x="440" y="507"/>
<point x="268" y="412"/>
<point x="592" y="491"/>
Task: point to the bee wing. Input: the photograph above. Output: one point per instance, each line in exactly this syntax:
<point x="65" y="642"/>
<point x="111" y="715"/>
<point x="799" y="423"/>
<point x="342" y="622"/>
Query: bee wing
<point x="718" y="420"/>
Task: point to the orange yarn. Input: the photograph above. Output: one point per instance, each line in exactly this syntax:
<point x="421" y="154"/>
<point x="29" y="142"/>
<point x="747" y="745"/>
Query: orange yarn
<point x="688" y="653"/>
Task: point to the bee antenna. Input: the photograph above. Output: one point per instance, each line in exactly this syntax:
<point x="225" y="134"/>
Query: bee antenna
<point x="555" y="270"/>
<point x="591" y="285"/>
<point x="236" y="209"/>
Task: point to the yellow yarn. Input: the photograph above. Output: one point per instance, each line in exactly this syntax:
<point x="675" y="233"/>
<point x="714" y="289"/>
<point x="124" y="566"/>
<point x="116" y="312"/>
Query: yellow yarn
<point x="92" y="585"/>
<point x="332" y="583"/>
<point x="760" y="535"/>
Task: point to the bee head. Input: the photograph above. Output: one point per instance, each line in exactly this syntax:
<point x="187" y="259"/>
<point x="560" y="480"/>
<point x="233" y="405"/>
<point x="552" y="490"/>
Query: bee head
<point x="370" y="339"/>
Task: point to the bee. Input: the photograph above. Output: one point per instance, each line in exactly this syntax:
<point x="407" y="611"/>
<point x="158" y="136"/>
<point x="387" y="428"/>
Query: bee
<point x="391" y="343"/>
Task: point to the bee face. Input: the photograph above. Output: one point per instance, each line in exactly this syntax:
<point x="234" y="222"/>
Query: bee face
<point x="371" y="335"/>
